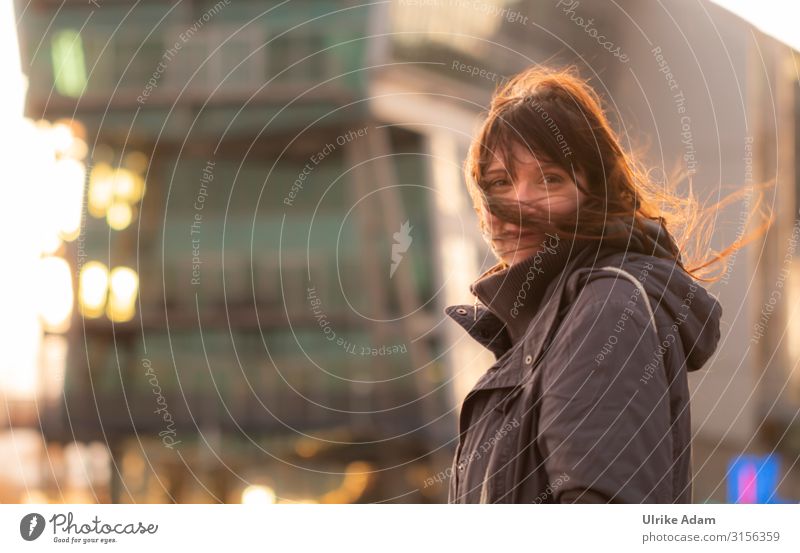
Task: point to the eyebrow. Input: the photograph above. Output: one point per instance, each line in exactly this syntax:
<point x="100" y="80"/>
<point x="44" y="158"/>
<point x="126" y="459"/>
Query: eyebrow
<point x="543" y="165"/>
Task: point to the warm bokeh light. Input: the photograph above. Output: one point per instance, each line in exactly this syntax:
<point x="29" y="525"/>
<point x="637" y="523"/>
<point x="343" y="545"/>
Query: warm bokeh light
<point x="111" y="293"/>
<point x="55" y="294"/>
<point x="49" y="243"/>
<point x="136" y="162"/>
<point x="114" y="192"/>
<point x="22" y="158"/>
<point x="60" y="136"/>
<point x="69" y="181"/>
<point x="52" y="365"/>
<point x="123" y="289"/>
<point x="119" y="215"/>
<point x="93" y="288"/>
<point x="101" y="189"/>
<point x="307" y="447"/>
<point x="356" y="479"/>
<point x="258" y="495"/>
<point x="33" y="497"/>
<point x="124" y="185"/>
<point x="76" y="146"/>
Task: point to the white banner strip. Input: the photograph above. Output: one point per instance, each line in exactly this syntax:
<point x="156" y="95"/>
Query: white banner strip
<point x="401" y="528"/>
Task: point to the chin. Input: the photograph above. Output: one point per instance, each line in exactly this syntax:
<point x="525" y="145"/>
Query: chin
<point x="519" y="255"/>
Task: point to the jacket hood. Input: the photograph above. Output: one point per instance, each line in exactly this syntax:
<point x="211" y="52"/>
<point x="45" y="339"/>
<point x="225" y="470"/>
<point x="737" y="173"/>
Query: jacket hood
<point x="694" y="312"/>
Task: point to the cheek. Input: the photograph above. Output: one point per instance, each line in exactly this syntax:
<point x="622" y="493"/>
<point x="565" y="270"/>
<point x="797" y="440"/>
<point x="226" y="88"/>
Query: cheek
<point x="489" y="217"/>
<point x="562" y="204"/>
<point x="489" y="220"/>
<point x="565" y="201"/>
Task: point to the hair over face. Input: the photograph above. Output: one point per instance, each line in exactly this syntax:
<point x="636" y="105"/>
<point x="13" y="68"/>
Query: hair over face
<point x="558" y="117"/>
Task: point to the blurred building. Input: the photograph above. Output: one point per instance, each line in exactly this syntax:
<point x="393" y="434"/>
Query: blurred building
<point x="268" y="343"/>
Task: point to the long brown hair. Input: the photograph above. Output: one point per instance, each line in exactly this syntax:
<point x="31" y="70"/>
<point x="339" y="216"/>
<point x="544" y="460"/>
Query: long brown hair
<point x="557" y="115"/>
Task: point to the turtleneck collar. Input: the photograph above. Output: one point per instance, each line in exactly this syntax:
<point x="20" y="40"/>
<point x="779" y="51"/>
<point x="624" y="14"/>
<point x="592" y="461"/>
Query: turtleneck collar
<point x="514" y="293"/>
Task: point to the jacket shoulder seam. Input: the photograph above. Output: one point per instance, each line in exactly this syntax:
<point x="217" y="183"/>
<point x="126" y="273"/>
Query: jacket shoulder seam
<point x="642" y="293"/>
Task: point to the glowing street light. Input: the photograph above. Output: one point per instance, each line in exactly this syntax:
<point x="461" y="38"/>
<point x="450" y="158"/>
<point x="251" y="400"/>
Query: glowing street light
<point x="55" y="289"/>
<point x="113" y="192"/>
<point x="123" y="289"/>
<point x="92" y="289"/>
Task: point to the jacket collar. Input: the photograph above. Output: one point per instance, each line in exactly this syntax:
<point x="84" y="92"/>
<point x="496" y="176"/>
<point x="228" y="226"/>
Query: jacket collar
<point x="490" y="330"/>
<point x="483" y="325"/>
<point x="493" y="321"/>
<point x="514" y="294"/>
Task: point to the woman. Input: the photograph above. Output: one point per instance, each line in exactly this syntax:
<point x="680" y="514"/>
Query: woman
<point x="592" y="316"/>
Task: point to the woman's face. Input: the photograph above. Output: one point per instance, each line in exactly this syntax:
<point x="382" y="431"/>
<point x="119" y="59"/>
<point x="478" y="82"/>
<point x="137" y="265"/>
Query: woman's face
<point x="551" y="188"/>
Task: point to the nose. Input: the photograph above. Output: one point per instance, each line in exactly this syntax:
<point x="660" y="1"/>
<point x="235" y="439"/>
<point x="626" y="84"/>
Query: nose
<point x="497" y="226"/>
